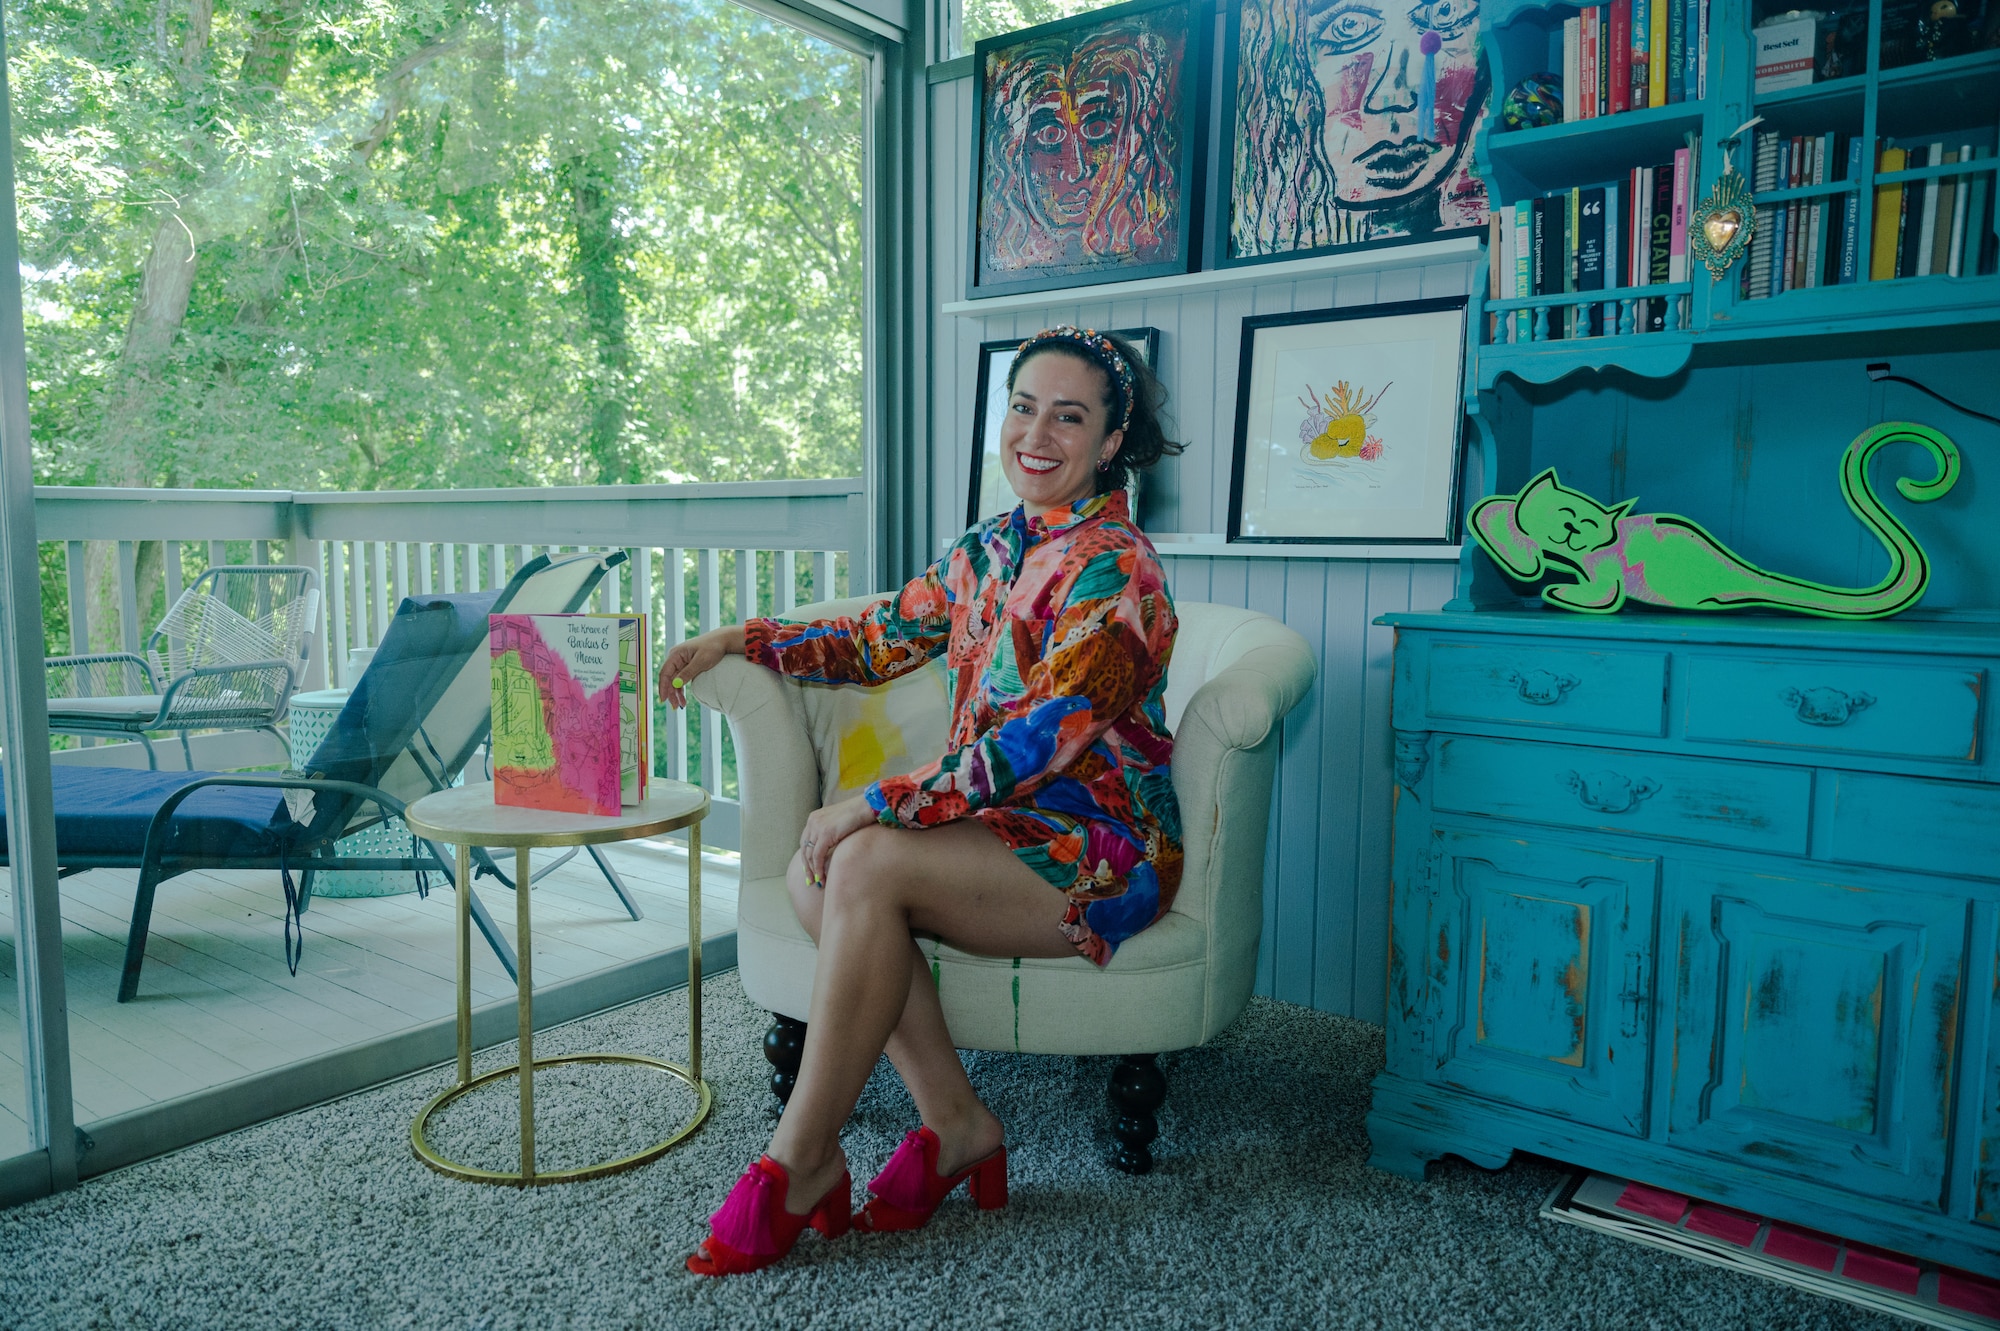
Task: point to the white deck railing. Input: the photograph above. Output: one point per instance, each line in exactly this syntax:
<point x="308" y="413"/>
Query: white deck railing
<point x="690" y="547"/>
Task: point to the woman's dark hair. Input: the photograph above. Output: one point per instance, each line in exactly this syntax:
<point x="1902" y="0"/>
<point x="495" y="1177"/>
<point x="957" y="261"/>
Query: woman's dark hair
<point x="1146" y="439"/>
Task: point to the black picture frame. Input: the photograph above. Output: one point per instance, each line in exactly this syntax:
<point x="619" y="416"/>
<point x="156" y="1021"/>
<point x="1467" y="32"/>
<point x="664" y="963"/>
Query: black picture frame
<point x="1437" y="517"/>
<point x="1190" y="164"/>
<point x="1146" y="341"/>
<point x="1218" y="248"/>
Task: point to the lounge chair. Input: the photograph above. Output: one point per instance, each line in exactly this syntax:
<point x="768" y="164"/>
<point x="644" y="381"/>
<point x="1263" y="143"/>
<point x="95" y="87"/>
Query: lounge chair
<point x="230" y="652"/>
<point x="415" y="718"/>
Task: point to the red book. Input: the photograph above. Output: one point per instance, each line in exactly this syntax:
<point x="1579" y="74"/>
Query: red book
<point x="1587" y="67"/>
<point x="1621" y="56"/>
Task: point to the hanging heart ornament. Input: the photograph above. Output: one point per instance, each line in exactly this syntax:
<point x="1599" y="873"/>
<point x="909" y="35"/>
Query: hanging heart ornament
<point x="1724" y="222"/>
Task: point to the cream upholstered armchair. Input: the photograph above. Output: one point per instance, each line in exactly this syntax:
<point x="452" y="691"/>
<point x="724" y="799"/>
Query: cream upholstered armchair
<point x="1234" y="675"/>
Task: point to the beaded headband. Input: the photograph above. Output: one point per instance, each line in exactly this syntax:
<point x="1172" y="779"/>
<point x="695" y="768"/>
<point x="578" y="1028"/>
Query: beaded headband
<point x="1099" y="349"/>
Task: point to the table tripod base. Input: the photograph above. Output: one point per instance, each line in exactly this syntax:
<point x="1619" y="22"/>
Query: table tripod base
<point x="705" y="1103"/>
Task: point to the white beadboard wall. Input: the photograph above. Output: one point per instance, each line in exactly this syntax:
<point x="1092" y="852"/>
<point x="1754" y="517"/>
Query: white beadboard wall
<point x="1326" y="880"/>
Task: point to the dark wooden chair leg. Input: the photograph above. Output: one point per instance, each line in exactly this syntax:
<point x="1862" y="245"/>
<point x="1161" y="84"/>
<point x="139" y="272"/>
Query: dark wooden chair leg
<point x="135" y="938"/>
<point x="1138" y="1088"/>
<point x="784" y="1045"/>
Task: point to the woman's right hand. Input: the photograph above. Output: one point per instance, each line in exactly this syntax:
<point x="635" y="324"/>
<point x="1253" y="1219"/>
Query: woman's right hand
<point x="695" y="657"/>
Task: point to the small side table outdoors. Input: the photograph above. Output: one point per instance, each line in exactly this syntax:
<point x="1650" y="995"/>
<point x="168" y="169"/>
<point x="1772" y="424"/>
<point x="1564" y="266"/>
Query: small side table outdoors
<point x="466" y="816"/>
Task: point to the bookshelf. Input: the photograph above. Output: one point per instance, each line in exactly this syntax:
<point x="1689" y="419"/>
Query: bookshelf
<point x="1954" y="102"/>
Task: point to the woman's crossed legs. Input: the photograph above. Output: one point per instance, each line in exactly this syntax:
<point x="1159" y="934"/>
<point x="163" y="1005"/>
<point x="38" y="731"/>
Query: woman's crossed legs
<point x="873" y="993"/>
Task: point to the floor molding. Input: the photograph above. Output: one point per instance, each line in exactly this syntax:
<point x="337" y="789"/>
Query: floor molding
<point x="170" y="1125"/>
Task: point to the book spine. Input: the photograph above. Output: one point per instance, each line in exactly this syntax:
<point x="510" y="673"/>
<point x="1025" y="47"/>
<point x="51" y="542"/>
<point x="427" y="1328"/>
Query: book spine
<point x="1888" y="205"/>
<point x="1676" y="50"/>
<point x="1947" y="201"/>
<point x="1603" y="13"/>
<point x="1619" y="67"/>
<point x="1677" y="257"/>
<point x="1572" y="72"/>
<point x="1587" y="64"/>
<point x="1976" y="224"/>
<point x="1795" y="263"/>
<point x="1550" y="258"/>
<point x="1781" y="233"/>
<point x="1524" y="249"/>
<point x="1590" y="255"/>
<point x="1659" y="246"/>
<point x="1906" y="225"/>
<point x="1927" y="223"/>
<point x="1850" y="216"/>
<point x="1572" y="279"/>
<point x="1956" y="267"/>
<point x="1763" y="178"/>
<point x="1642" y="55"/>
<point x="1656" y="60"/>
<point x="1816" y="220"/>
<point x="1700" y="74"/>
<point x="1614" y="254"/>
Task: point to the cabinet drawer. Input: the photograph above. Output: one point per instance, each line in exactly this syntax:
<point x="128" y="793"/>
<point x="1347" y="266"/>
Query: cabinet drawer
<point x="1621" y="692"/>
<point x="1755" y="806"/>
<point x="1947" y="827"/>
<point x="1894" y="711"/>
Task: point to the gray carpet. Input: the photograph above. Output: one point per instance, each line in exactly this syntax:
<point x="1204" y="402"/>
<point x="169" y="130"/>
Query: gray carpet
<point x="1263" y="1213"/>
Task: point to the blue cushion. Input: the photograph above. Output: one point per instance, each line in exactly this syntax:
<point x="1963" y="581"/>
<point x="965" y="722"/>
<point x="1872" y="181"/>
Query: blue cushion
<point x="103" y="813"/>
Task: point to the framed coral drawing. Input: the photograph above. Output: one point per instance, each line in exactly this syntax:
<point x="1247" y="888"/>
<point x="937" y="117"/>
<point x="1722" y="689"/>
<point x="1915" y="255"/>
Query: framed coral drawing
<point x="1348" y="425"/>
<point x="1350" y="124"/>
<point x="1086" y="142"/>
<point x="989" y="493"/>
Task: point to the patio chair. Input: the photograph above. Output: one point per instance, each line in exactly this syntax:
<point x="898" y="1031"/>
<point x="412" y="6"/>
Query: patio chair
<point x="230" y="651"/>
<point x="416" y="716"/>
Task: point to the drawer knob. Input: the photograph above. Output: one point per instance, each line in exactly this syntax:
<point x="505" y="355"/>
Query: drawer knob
<point x="1826" y="707"/>
<point x="1610" y="792"/>
<point x="1543" y="688"/>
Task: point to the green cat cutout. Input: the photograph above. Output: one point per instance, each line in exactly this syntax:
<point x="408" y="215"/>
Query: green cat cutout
<point x="1664" y="560"/>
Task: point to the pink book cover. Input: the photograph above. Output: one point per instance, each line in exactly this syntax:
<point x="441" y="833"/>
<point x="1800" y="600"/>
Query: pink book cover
<point x="1677" y="252"/>
<point x="556" y="721"/>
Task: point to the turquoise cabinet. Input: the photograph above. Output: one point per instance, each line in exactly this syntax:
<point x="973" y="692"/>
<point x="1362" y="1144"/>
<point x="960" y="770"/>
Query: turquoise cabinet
<point x="1713" y="904"/>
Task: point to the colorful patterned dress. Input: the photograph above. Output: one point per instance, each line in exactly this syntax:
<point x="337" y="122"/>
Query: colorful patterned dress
<point x="1059" y="629"/>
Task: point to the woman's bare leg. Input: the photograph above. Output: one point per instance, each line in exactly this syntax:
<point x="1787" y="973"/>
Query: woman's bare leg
<point x="958" y="882"/>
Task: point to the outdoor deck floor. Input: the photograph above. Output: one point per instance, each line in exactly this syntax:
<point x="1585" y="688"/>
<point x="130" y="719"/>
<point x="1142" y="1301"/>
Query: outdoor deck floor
<point x="216" y="1002"/>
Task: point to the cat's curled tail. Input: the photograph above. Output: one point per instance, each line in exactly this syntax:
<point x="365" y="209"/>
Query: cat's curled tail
<point x="1909" y="572"/>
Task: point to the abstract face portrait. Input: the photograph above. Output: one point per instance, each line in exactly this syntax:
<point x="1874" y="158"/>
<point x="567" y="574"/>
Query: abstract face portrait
<point x="1354" y="123"/>
<point x="1081" y="147"/>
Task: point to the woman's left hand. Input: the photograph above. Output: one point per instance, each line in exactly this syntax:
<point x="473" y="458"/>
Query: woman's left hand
<point x="827" y="828"/>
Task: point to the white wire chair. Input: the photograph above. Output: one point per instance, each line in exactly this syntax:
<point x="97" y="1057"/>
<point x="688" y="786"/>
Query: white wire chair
<point x="230" y="652"/>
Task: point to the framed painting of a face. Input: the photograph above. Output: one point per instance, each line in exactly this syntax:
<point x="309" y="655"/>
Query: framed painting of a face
<point x="989" y="493"/>
<point x="1350" y="123"/>
<point x="1086" y="134"/>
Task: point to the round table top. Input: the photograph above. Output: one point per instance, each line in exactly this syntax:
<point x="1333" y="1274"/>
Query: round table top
<point x="467" y="815"/>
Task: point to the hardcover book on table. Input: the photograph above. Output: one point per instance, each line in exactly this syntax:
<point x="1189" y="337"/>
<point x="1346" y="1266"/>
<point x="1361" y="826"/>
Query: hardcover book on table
<point x="569" y="724"/>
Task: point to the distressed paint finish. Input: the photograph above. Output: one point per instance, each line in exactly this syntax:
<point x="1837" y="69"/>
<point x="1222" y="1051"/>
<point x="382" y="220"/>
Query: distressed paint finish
<point x="1812" y="1029"/>
<point x="1808" y="1031"/>
<point x="1527" y="991"/>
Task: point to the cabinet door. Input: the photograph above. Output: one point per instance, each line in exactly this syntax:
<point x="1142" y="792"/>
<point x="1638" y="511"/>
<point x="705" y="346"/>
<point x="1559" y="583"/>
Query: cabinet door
<point x="1540" y="991"/>
<point x="1815" y="1026"/>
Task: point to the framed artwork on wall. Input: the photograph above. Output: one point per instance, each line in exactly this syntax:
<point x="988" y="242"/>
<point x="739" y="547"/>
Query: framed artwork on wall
<point x="1347" y="425"/>
<point x="989" y="493"/>
<point x="1087" y="136"/>
<point x="1349" y="125"/>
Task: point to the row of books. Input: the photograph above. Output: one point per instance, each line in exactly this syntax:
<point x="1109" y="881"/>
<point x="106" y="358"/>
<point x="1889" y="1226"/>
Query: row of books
<point x="1919" y="227"/>
<point x="1629" y="233"/>
<point x="1631" y="54"/>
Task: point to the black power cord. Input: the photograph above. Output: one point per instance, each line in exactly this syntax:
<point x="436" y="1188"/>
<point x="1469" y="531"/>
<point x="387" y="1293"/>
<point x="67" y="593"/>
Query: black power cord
<point x="1879" y="372"/>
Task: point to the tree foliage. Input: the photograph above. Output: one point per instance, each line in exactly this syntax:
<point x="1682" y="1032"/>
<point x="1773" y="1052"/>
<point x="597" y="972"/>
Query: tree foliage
<point x="375" y="244"/>
<point x="991" y="18"/>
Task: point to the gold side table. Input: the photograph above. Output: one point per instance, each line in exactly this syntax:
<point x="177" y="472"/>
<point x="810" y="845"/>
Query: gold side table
<point x="466" y="816"/>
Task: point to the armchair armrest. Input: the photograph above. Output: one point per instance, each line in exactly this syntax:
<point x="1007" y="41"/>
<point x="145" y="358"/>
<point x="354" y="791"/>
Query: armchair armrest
<point x="249" y="690"/>
<point x="98" y="675"/>
<point x="776" y="770"/>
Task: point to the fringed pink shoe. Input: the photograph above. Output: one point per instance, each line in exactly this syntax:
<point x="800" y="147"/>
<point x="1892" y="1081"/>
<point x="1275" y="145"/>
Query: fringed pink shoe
<point x="909" y="1188"/>
<point x="753" y="1228"/>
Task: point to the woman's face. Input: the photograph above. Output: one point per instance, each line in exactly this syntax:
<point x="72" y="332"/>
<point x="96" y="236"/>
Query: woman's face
<point x="1055" y="431"/>
<point x="1368" y="57"/>
<point x="1076" y="130"/>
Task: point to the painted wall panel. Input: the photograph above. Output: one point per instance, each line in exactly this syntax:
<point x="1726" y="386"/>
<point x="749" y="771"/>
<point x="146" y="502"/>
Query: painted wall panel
<point x="1327" y="870"/>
